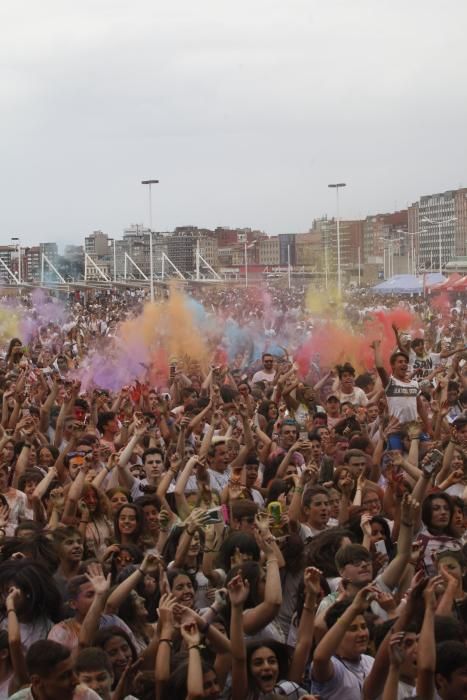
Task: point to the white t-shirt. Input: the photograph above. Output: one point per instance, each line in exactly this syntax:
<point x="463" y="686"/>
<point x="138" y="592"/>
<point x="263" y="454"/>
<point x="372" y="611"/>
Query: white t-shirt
<point x="356" y="398"/>
<point x="347" y="679"/>
<point x="81" y="693"/>
<point x="262" y="376"/>
<point x="423" y="366"/>
<point x="402" y="399"/>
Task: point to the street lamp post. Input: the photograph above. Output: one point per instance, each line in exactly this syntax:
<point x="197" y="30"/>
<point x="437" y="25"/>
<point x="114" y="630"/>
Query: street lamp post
<point x="288" y="265"/>
<point x="113" y="241"/>
<point x="18" y="248"/>
<point x="440" y="243"/>
<point x="151" y="258"/>
<point x="337" y="186"/>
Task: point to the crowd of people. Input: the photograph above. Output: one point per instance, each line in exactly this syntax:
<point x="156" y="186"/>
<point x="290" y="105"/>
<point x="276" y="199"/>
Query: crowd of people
<point x="244" y="529"/>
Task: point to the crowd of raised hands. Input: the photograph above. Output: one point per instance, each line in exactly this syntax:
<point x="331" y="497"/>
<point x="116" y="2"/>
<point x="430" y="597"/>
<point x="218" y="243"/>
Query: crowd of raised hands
<point x="244" y="532"/>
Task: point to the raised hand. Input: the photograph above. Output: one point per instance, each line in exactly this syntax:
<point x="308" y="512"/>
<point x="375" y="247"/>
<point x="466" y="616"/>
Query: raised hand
<point x="409" y="510"/>
<point x="238" y="590"/>
<point x="265" y="543"/>
<point x="191" y="634"/>
<point x="312" y="581"/>
<point x="13" y="598"/>
<point x="364" y="597"/>
<point x="166" y="611"/>
<point x="396" y="649"/>
<point x="99" y="582"/>
<point x="150" y="563"/>
<point x="365" y="524"/>
<point x="429" y="594"/>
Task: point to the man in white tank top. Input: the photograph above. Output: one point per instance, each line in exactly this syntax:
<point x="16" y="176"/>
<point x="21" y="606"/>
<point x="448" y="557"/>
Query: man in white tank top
<point x="401" y="392"/>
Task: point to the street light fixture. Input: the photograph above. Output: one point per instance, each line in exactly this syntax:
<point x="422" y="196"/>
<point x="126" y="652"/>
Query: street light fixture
<point x="439" y="224"/>
<point x="151" y="261"/>
<point x="337" y="186"/>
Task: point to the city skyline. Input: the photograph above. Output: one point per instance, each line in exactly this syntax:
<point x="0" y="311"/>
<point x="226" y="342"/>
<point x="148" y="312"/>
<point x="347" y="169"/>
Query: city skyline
<point x="244" y="112"/>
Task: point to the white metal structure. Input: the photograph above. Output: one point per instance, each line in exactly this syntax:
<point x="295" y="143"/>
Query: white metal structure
<point x="128" y="257"/>
<point x="87" y="260"/>
<point x="166" y="258"/>
<point x="45" y="259"/>
<point x="10" y="272"/>
<point x="199" y="260"/>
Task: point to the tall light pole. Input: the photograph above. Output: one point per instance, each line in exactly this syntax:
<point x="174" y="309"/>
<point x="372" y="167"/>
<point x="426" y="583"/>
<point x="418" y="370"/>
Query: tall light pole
<point x="151" y="258"/>
<point x="246" y="260"/>
<point x="112" y="240"/>
<point x="288" y="266"/>
<point x="337" y="186"/>
<point x="440" y="243"/>
<point x="18" y="248"/>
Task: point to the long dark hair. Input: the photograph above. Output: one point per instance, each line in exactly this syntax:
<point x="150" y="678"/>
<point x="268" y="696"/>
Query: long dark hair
<point x="139" y="522"/>
<point x="280" y="652"/>
<point x="427" y="510"/>
<point x="41" y="595"/>
<point x="321" y="551"/>
<point x="170" y="547"/>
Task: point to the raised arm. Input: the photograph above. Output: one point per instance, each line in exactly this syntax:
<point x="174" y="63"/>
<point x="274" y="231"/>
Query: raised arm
<point x="262" y="614"/>
<point x="101" y="586"/>
<point x="379" y="364"/>
<point x="305" y="632"/>
<point x="18" y="662"/>
<point x="395" y="569"/>
<point x="123" y="590"/>
<point x="426" y="655"/>
<point x="238" y="590"/>
<point x="125" y="477"/>
<point x="322" y="669"/>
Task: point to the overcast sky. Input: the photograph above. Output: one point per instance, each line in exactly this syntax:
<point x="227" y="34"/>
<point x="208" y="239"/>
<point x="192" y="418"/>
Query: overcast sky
<point x="244" y="110"/>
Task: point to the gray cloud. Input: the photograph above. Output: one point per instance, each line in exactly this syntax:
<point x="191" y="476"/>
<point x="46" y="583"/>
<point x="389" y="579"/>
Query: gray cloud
<point x="245" y="111"/>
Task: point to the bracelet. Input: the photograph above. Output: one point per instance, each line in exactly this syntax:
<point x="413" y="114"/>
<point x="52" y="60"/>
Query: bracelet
<point x="11" y="611"/>
<point x="190" y="534"/>
<point x="27" y="444"/>
<point x="195" y="646"/>
<point x="167" y="641"/>
<point x="106" y="469"/>
<point x="143" y="573"/>
<point x="406" y="524"/>
<point x="84" y="522"/>
<point x="268" y="561"/>
<point x="312" y="610"/>
<point x="298" y="489"/>
<point x="415" y="438"/>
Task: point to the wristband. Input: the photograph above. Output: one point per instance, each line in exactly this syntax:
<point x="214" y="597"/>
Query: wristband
<point x="190" y="534"/>
<point x="194" y="646"/>
<point x="106" y="469"/>
<point x="269" y="561"/>
<point x="312" y="610"/>
<point x="167" y="641"/>
<point x="11" y="611"/>
<point x="84" y="522"/>
<point x="143" y="573"/>
<point x="406" y="524"/>
<point x="298" y="489"/>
